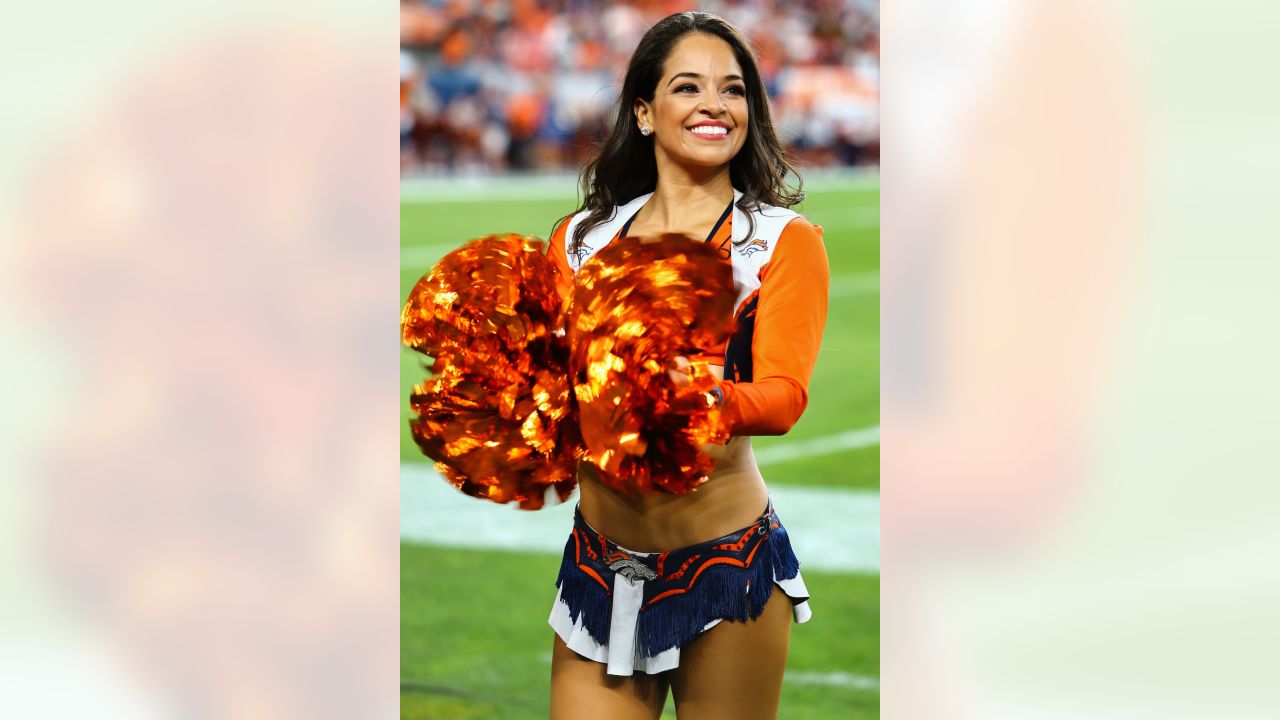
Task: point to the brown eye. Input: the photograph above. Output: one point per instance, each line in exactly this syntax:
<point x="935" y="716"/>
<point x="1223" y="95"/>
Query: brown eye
<point x="686" y="86"/>
<point x="736" y="89"/>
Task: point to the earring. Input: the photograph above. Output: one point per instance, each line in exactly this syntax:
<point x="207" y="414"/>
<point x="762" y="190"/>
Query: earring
<point x="645" y="130"/>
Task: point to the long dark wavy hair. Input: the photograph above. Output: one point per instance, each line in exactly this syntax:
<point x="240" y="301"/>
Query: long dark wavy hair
<point x="624" y="167"/>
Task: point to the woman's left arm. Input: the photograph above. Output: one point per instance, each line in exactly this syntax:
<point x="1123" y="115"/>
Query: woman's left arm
<point x="790" y="316"/>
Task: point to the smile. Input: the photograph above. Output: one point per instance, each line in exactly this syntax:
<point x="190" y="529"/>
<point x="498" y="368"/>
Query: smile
<point x="709" y="132"/>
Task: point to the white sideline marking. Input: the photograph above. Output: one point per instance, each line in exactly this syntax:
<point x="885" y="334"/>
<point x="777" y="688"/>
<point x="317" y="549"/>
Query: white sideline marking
<point x="564" y="186"/>
<point x="838" y="679"/>
<point x="850" y="440"/>
<point x="805" y="677"/>
<point x="832" y="530"/>
<point x="479" y="188"/>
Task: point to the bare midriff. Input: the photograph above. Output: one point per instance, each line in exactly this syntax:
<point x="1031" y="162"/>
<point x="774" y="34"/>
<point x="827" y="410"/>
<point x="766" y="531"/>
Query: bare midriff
<point x="733" y="497"/>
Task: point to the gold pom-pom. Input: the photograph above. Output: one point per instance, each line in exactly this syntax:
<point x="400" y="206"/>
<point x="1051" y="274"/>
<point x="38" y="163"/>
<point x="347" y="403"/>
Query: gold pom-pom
<point x="495" y="413"/>
<point x="636" y="305"/>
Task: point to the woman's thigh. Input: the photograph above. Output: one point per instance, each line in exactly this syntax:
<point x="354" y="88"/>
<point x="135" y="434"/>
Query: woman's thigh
<point x="734" y="670"/>
<point x="580" y="688"/>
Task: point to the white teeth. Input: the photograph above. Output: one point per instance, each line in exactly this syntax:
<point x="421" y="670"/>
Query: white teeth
<point x="709" y="130"/>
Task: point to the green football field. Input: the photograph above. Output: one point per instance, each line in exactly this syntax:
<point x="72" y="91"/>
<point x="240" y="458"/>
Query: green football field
<point x="475" y="644"/>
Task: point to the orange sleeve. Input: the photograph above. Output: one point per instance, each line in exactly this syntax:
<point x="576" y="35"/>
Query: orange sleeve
<point x="790" y="317"/>
<point x="556" y="252"/>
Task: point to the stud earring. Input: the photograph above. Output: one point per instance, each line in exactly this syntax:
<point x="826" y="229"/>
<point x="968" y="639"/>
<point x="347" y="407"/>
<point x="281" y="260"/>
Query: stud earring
<point x="645" y="130"/>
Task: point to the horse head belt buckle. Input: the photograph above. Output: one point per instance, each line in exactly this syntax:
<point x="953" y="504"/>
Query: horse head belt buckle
<point x="632" y="569"/>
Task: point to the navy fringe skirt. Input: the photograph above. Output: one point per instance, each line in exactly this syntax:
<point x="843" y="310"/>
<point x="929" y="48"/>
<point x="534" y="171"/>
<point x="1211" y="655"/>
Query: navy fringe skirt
<point x="634" y="611"/>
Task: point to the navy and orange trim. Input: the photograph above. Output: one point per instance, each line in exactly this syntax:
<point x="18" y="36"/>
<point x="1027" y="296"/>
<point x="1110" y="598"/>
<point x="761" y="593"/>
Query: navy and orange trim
<point x="580" y="542"/>
<point x="730" y="577"/>
<point x="686" y="565"/>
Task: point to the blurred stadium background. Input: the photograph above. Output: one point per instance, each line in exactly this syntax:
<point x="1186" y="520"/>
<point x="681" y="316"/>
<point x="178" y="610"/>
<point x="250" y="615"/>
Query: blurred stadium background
<point x="525" y="85"/>
<point x="501" y="101"/>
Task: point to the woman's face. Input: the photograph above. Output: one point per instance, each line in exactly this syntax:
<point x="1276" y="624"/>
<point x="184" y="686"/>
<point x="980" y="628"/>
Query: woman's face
<point x="699" y="109"/>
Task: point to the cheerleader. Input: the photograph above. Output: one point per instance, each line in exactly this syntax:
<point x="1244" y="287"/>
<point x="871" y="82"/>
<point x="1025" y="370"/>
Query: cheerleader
<point x="694" y="594"/>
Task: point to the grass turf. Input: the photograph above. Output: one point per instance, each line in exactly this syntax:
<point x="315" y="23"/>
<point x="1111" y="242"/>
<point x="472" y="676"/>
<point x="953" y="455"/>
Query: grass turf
<point x="472" y="648"/>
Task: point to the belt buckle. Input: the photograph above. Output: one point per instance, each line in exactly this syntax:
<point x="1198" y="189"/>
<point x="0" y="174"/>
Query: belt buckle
<point x="629" y="567"/>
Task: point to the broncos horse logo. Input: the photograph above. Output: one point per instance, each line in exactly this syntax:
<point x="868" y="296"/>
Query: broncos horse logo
<point x="755" y="246"/>
<point x="632" y="569"/>
<point x="581" y="252"/>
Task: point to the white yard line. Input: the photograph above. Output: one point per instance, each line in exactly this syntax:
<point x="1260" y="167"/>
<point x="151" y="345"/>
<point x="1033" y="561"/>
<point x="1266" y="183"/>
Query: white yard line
<point x="827" y="445"/>
<point x="806" y="677"/>
<point x="832" y="530"/>
<point x="563" y="186"/>
<point x="836" y="679"/>
<point x="479" y="189"/>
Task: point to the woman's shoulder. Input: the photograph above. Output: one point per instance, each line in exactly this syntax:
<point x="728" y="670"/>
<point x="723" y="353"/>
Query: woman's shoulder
<point x="782" y="223"/>
<point x="801" y="225"/>
<point x="787" y="216"/>
<point x="789" y="234"/>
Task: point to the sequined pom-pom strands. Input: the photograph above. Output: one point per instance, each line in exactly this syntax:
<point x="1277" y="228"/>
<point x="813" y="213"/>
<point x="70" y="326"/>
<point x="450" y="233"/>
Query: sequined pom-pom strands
<point x="495" y="412"/>
<point x="520" y="392"/>
<point x="636" y="305"/>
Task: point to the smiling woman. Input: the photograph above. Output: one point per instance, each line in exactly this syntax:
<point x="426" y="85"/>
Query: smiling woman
<point x="694" y="594"/>
<point x="691" y="70"/>
<point x="700" y="116"/>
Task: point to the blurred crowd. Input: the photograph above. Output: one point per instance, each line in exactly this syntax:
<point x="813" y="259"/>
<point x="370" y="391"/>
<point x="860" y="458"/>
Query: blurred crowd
<point x="529" y="85"/>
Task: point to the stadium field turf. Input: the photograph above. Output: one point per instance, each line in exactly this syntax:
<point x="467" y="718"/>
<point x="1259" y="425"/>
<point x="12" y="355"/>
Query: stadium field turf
<point x="474" y="638"/>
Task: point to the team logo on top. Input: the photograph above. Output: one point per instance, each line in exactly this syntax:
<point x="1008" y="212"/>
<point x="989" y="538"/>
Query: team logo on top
<point x="755" y="246"/>
<point x="581" y="252"/>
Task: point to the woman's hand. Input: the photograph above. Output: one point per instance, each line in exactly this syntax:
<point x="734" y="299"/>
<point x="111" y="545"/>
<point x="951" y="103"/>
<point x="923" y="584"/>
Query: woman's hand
<point x="679" y="371"/>
<point x="727" y="454"/>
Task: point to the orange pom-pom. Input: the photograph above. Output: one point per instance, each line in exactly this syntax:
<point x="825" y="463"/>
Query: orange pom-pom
<point x="495" y="414"/>
<point x="636" y="305"/>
